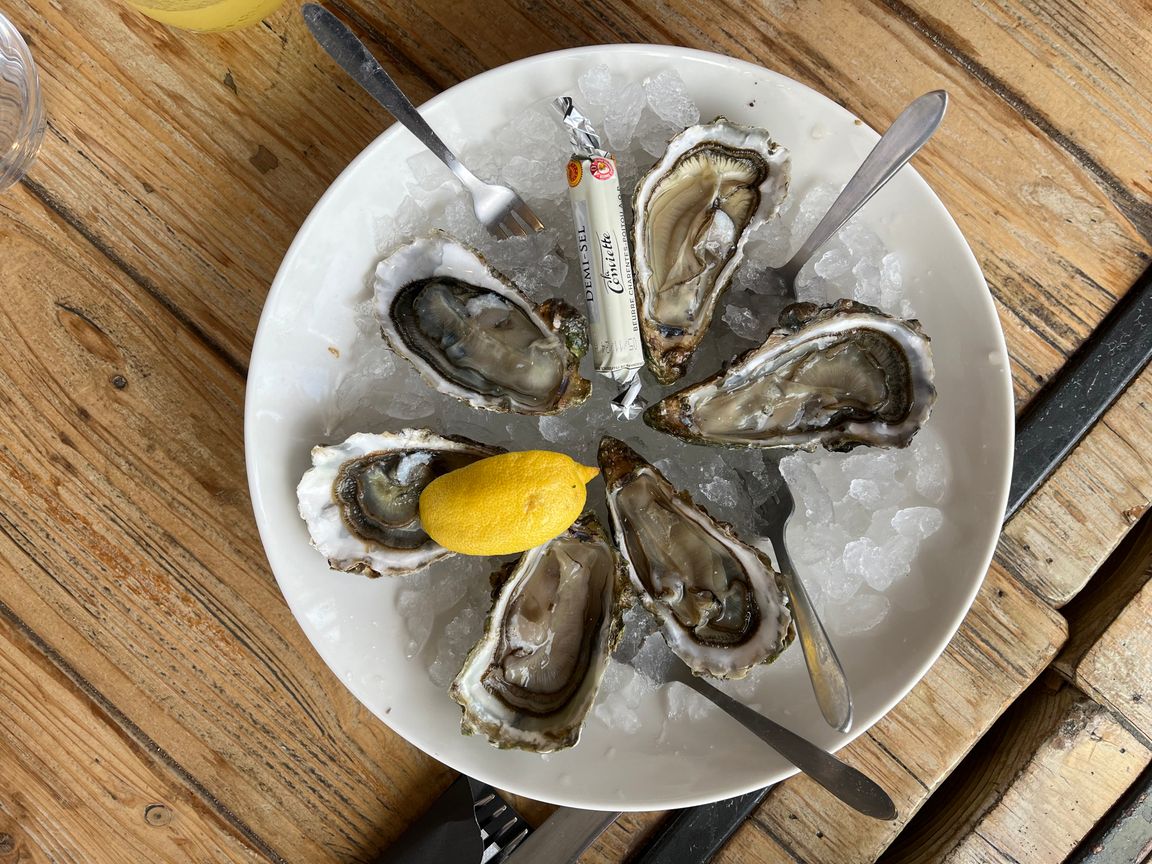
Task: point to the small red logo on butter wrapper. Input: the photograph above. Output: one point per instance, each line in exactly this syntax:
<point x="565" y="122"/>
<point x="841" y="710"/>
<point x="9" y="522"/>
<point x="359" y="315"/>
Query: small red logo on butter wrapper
<point x="574" y="173"/>
<point x="602" y="169"/>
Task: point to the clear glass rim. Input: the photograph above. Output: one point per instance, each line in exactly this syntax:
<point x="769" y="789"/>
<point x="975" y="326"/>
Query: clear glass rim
<point x="30" y="133"/>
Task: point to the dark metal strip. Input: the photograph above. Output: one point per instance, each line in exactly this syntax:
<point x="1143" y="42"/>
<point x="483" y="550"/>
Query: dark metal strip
<point x="1053" y="424"/>
<point x="1125" y="834"/>
<point x="698" y="833"/>
<point x="1085" y="388"/>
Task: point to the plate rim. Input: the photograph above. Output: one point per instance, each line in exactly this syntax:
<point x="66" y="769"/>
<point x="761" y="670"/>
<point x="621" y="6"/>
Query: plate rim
<point x="672" y="54"/>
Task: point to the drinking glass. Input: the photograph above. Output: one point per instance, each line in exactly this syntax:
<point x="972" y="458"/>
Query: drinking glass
<point x="21" y="112"/>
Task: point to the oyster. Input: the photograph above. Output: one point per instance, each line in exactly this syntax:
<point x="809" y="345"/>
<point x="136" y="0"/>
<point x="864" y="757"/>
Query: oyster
<point x="472" y="333"/>
<point x="360" y="498"/>
<point x="693" y="212"/>
<point x="835" y="376"/>
<point x="720" y="604"/>
<point x="532" y="677"/>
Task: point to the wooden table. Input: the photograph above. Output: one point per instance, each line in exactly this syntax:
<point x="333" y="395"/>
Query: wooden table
<point x="159" y="702"/>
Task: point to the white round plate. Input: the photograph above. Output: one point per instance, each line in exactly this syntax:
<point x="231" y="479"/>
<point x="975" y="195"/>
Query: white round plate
<point x="352" y="621"/>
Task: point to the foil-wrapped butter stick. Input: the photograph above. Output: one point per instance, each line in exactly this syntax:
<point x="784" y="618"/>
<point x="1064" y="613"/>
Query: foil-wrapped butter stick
<point x="605" y="263"/>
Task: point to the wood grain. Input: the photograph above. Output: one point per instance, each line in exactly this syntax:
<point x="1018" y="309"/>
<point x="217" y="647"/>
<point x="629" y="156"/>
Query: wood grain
<point x="1008" y="638"/>
<point x="1075" y="70"/>
<point x="73" y="787"/>
<point x="1062" y="535"/>
<point x="127" y="535"/>
<point x="752" y="844"/>
<point x="627" y="835"/>
<point x="1033" y="787"/>
<point x="1110" y="657"/>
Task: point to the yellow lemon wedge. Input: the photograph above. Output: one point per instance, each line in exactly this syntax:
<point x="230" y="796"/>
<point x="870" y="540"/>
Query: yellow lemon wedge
<point x="506" y="503"/>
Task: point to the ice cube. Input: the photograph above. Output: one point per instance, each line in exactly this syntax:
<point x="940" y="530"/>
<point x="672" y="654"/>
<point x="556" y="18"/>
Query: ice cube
<point x="622" y="116"/>
<point x="834" y="263"/>
<point x="597" y="86"/>
<point x="721" y="491"/>
<point x="867" y="285"/>
<point x="867" y="492"/>
<point x="669" y="99"/>
<point x="806" y="488"/>
<point x="653" y="133"/>
<point x="411" y="405"/>
<point x="745" y="322"/>
<point x="931" y="470"/>
<point x="860" y="614"/>
<point x="917" y="523"/>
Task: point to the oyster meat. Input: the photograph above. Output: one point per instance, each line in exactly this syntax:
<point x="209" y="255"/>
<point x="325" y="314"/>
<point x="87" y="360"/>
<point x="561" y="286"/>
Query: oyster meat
<point x="720" y="604"/>
<point x="360" y="498"/>
<point x="530" y="680"/>
<point x="474" y="335"/>
<point x="836" y="376"/>
<point x="694" y="210"/>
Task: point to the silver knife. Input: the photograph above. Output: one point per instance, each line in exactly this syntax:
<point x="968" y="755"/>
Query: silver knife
<point x="563" y="837"/>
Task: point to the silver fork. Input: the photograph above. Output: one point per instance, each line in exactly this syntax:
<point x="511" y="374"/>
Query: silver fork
<point x="824" y="669"/>
<point x="498" y="208"/>
<point x="501" y="827"/>
<point x="851" y="786"/>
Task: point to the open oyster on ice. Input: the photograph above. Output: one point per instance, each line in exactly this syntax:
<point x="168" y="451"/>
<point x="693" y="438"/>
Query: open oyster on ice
<point x="532" y="677"/>
<point x="720" y="604"/>
<point x="693" y="211"/>
<point x="473" y="335"/>
<point x="836" y="376"/>
<point x="360" y="498"/>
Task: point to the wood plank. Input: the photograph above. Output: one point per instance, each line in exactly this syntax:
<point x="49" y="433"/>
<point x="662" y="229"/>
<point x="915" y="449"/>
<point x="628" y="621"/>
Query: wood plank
<point x="1066" y="531"/>
<point x="752" y="845"/>
<point x="1076" y="70"/>
<point x="71" y="784"/>
<point x="192" y="159"/>
<point x="1110" y="656"/>
<point x="1125" y="835"/>
<point x="1056" y="252"/>
<point x="1054" y="274"/>
<point x="126" y="533"/>
<point x="1005" y="642"/>
<point x="628" y="834"/>
<point x="1033" y="787"/>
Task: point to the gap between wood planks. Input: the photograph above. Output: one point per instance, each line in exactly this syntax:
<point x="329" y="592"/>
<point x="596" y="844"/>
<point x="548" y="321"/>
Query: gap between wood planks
<point x="138" y="736"/>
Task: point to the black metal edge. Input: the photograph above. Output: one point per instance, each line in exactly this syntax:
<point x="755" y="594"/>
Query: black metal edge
<point x="1087" y="385"/>
<point x="1125" y="833"/>
<point x="1053" y="424"/>
<point x="698" y="833"/>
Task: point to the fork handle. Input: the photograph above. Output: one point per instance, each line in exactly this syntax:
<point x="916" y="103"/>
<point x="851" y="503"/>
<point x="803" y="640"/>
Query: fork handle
<point x="354" y="58"/>
<point x="841" y="779"/>
<point x="829" y="682"/>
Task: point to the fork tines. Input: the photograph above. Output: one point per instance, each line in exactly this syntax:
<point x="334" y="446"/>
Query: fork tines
<point x="501" y="827"/>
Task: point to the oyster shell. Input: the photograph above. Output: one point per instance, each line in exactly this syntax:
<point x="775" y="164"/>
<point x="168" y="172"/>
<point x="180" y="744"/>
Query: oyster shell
<point x="360" y="498"/>
<point x="474" y="335"/>
<point x="693" y="212"/>
<point x="836" y="376"/>
<point x="530" y="680"/>
<point x="720" y="604"/>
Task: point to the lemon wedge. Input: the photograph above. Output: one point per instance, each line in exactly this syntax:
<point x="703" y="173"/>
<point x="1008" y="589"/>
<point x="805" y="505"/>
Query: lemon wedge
<point x="506" y="503"/>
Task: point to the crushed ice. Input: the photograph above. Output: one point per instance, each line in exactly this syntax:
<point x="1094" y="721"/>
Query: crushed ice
<point x="861" y="517"/>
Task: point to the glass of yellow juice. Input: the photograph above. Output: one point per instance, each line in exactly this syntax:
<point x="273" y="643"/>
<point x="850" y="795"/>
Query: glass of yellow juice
<point x="207" y="15"/>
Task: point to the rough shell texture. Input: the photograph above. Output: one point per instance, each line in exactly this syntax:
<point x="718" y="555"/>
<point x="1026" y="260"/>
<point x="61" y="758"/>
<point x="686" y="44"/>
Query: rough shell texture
<point x="556" y="616"/>
<point x="720" y="604"/>
<point x="837" y="376"/>
<point x="360" y="498"/>
<point x="694" y="210"/>
<point x="474" y="335"/>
